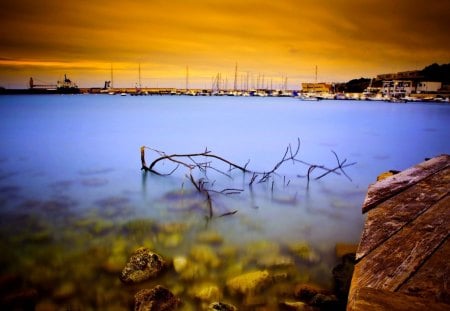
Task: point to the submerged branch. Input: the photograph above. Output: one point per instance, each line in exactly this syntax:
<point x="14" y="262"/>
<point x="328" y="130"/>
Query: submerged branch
<point x="192" y="162"/>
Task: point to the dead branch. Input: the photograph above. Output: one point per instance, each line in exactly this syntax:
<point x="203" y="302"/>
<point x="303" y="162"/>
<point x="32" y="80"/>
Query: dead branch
<point x="191" y="161"/>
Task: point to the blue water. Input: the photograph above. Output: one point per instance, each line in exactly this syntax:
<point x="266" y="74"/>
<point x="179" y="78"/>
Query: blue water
<point x="86" y="149"/>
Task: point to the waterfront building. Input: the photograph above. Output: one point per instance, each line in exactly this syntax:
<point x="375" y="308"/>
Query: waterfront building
<point x="316" y="87"/>
<point x="397" y="88"/>
<point x="413" y="75"/>
<point x="428" y="87"/>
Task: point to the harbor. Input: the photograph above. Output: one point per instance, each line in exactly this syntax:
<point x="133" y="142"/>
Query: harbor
<point x="431" y="84"/>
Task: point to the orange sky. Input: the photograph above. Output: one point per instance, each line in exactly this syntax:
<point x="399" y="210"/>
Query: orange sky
<point x="345" y="38"/>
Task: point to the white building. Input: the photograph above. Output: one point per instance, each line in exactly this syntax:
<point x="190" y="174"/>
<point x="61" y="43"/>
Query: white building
<point x="427" y="87"/>
<point x="397" y="88"/>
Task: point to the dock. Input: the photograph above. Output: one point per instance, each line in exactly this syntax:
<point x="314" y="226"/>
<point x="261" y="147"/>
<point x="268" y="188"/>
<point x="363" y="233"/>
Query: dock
<point x="403" y="258"/>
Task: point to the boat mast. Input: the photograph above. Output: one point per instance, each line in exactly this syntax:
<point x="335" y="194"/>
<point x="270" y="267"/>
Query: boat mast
<point x="139" y="85"/>
<point x="235" y="77"/>
<point x="112" y="77"/>
<point x="187" y="78"/>
<point x="316" y="73"/>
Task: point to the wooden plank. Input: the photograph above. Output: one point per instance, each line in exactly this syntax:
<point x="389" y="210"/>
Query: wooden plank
<point x="391" y="215"/>
<point x="390" y="186"/>
<point x="370" y="299"/>
<point x="391" y="264"/>
<point x="432" y="279"/>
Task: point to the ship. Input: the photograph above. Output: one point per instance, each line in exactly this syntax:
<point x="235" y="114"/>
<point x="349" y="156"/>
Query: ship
<point x="65" y="86"/>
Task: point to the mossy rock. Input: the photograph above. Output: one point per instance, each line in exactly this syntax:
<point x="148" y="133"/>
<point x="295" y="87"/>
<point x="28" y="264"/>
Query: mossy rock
<point x="249" y="283"/>
<point x="142" y="265"/>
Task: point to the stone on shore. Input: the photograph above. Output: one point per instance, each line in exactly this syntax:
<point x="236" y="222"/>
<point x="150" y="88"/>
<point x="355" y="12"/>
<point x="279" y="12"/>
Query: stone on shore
<point x="304" y="251"/>
<point x="206" y="293"/>
<point x="249" y="283"/>
<point x="221" y="306"/>
<point x="156" y="299"/>
<point x="143" y="265"/>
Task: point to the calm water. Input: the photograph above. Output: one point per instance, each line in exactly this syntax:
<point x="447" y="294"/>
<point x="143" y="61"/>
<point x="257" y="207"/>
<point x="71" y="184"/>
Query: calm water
<point x="74" y="203"/>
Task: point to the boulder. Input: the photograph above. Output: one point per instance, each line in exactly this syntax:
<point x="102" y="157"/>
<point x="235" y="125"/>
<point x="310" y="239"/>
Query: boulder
<point x="342" y="275"/>
<point x="206" y="292"/>
<point x="142" y="265"/>
<point x="304" y="251"/>
<point x="294" y="306"/>
<point x="306" y="292"/>
<point x="156" y="299"/>
<point x="205" y="255"/>
<point x="249" y="283"/>
<point x="221" y="306"/>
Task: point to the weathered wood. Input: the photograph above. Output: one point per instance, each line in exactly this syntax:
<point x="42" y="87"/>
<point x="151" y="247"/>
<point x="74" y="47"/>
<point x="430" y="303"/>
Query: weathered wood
<point x="393" y="262"/>
<point x="390" y="186"/>
<point x="390" y="216"/>
<point x="432" y="279"/>
<point x="371" y="299"/>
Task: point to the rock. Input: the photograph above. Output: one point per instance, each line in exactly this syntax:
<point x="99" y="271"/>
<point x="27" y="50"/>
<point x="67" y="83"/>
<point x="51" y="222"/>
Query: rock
<point x="13" y="296"/>
<point x="24" y="299"/>
<point x="180" y="263"/>
<point x="325" y="302"/>
<point x="345" y="248"/>
<point x="221" y="306"/>
<point x="306" y="292"/>
<point x="249" y="283"/>
<point x="65" y="291"/>
<point x="173" y="227"/>
<point x="204" y="254"/>
<point x="170" y="240"/>
<point x="117" y="258"/>
<point x="142" y="266"/>
<point x="342" y="275"/>
<point x="46" y="305"/>
<point x="194" y="271"/>
<point x="207" y="293"/>
<point x="317" y="297"/>
<point x="210" y="237"/>
<point x="304" y="252"/>
<point x="294" y="306"/>
<point x="275" y="261"/>
<point x="189" y="270"/>
<point x="156" y="299"/>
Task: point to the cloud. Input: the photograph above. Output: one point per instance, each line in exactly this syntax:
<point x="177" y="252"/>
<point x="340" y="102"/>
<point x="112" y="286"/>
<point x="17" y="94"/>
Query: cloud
<point x="286" y="36"/>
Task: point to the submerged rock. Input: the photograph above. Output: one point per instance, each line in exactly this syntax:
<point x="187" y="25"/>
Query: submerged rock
<point x="249" y="283"/>
<point x="210" y="237"/>
<point x="143" y="265"/>
<point x="342" y="275"/>
<point x="318" y="297"/>
<point x="65" y="291"/>
<point x="294" y="306"/>
<point x="221" y="306"/>
<point x="306" y="292"/>
<point x="204" y="254"/>
<point x="180" y="263"/>
<point x="304" y="251"/>
<point x="156" y="299"/>
<point x="275" y="261"/>
<point x="206" y="292"/>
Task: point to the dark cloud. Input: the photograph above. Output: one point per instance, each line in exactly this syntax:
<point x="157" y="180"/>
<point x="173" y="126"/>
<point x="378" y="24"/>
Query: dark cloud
<point x="370" y="36"/>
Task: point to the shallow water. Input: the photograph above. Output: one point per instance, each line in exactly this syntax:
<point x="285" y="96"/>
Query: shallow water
<point x="74" y="203"/>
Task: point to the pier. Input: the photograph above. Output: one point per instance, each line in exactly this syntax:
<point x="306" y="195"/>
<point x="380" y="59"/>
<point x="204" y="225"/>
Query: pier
<point x="402" y="261"/>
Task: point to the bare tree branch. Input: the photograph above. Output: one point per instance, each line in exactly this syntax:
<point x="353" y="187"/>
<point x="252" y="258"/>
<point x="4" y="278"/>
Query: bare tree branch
<point x="191" y="161"/>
